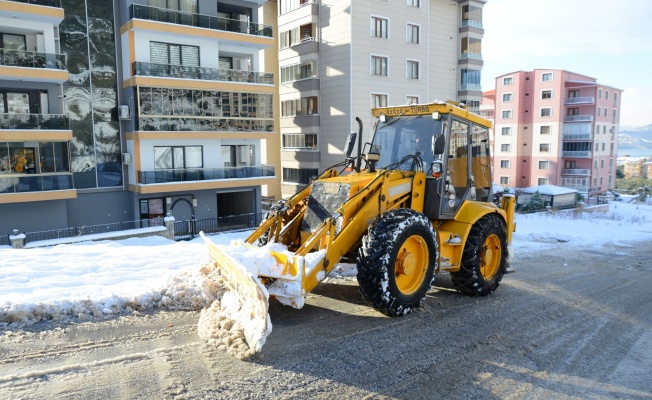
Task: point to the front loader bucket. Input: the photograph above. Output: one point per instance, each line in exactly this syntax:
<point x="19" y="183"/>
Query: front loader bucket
<point x="250" y="297"/>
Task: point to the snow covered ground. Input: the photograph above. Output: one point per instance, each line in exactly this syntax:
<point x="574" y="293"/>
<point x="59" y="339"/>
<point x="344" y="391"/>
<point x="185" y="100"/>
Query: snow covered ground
<point x="95" y="280"/>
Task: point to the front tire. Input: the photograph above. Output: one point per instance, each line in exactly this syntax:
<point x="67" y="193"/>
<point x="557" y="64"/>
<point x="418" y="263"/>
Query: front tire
<point x="484" y="260"/>
<point x="397" y="261"/>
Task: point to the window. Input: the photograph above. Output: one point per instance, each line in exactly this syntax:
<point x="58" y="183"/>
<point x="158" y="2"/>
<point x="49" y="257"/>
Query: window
<point x="546" y="94"/>
<point x="412" y="69"/>
<point x="507" y="114"/>
<point x="299" y="107"/>
<point x="573" y="94"/>
<point x="505" y="147"/>
<point x="606" y="112"/>
<point x="378" y="100"/>
<point x="188" y="6"/>
<point x="472" y="47"/>
<point x="570" y="164"/>
<point x="378" y="65"/>
<point x="547" y="77"/>
<point x="603" y="146"/>
<point x="412" y="34"/>
<point x="472" y="16"/>
<point x="506" y="131"/>
<point x="615" y="99"/>
<point x="542" y="181"/>
<point x="508" y="81"/>
<point x="504" y="163"/>
<point x="573" y="111"/>
<point x="546" y="112"/>
<point x="606" y="95"/>
<point x="412" y="3"/>
<point x="470" y="79"/>
<point x="296" y="72"/>
<point x="178" y="157"/>
<point x="412" y="100"/>
<point x="604" y="129"/>
<point x="544" y="164"/>
<point x="599" y="93"/>
<point x="599" y="111"/>
<point x="303" y="141"/>
<point x="379" y="27"/>
<point x="299" y="175"/>
<point x="545" y="130"/>
<point x="173" y="54"/>
<point x="544" y="147"/>
<point x="504" y="180"/>
<point x="507" y="97"/>
<point x="601" y="163"/>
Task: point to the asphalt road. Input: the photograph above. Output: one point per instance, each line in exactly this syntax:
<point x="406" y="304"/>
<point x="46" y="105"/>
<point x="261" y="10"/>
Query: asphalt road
<point x="566" y="324"/>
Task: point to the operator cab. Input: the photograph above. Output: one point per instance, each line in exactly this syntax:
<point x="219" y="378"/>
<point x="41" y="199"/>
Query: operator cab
<point x="446" y="142"/>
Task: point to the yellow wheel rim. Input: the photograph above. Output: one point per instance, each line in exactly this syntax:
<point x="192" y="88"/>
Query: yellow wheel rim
<point x="411" y="265"/>
<point x="490" y="256"/>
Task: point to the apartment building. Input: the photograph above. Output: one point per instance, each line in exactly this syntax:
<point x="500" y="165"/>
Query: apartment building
<point x="129" y="110"/>
<point x="635" y="167"/>
<point x="555" y="127"/>
<point x="340" y="58"/>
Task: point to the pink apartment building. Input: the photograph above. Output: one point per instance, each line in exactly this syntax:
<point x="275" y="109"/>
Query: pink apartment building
<point x="554" y="127"/>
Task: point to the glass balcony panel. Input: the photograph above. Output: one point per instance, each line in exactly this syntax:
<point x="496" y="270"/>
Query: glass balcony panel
<point x="139" y="11"/>
<point x="205" y="174"/>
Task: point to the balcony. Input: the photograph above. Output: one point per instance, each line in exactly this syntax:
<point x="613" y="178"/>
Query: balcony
<point x="198" y="124"/>
<point x="139" y="11"/>
<point x="35" y="183"/>
<point x="32" y="59"/>
<point x="34" y="121"/>
<point x="576" y="172"/>
<point x="200" y="73"/>
<point x="576" y="153"/>
<point x="579" y="118"/>
<point x="580" y="100"/>
<point x="47" y="3"/>
<point x="205" y="174"/>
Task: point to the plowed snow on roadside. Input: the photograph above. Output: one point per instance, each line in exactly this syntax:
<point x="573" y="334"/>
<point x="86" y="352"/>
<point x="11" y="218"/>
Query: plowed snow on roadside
<point x="97" y="280"/>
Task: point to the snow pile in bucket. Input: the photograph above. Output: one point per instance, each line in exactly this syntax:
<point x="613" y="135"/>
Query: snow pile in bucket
<point x="238" y="321"/>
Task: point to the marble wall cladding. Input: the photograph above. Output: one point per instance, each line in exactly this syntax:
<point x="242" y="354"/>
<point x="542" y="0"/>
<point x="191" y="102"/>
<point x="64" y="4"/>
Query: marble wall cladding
<point x="91" y="93"/>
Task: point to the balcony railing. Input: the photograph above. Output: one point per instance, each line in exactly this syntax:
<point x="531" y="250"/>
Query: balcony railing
<point x="35" y="121"/>
<point x="576" y="171"/>
<point x="32" y="59"/>
<point x="579" y="118"/>
<point x="140" y="11"/>
<point x="35" y="183"/>
<point x="47" y="3"/>
<point x="205" y="174"/>
<point x="576" y="154"/>
<point x="473" y="56"/>
<point x="179" y="124"/>
<point x="202" y="73"/>
<point x="577" y="136"/>
<point x="472" y="87"/>
<point x="580" y="100"/>
<point x="472" y="24"/>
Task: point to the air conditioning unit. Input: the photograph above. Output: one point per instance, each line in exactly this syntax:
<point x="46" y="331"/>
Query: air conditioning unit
<point x="124" y="113"/>
<point x="612" y="129"/>
<point x="126" y="158"/>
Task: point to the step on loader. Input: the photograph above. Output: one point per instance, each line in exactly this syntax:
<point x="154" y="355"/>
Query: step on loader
<point x="413" y="202"/>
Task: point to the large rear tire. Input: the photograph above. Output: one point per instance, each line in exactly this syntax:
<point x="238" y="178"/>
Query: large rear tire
<point x="484" y="260"/>
<point x="396" y="261"/>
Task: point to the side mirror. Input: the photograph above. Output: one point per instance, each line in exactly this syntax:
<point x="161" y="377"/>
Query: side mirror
<point x="439" y="144"/>
<point x="350" y="142"/>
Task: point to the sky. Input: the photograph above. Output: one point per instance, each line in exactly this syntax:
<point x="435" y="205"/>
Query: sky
<point x="607" y="40"/>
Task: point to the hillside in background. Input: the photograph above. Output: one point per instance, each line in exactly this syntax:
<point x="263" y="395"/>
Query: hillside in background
<point x="636" y="142"/>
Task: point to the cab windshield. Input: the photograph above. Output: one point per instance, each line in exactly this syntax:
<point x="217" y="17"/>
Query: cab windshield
<point x="400" y="136"/>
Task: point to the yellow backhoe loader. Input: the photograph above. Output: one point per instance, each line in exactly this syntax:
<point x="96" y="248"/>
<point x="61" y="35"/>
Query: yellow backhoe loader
<point x="415" y="201"/>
